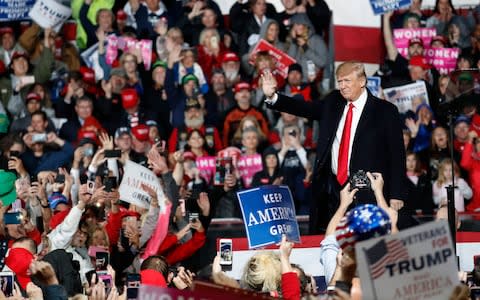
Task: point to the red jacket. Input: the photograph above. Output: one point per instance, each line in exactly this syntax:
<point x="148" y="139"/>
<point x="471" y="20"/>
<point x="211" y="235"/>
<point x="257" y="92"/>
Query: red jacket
<point x="113" y="227"/>
<point x="175" y="252"/>
<point x="471" y="162"/>
<point x="290" y="286"/>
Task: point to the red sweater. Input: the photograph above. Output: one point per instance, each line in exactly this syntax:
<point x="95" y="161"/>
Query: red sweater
<point x="290" y="286"/>
<point x="472" y="165"/>
<point x="174" y="252"/>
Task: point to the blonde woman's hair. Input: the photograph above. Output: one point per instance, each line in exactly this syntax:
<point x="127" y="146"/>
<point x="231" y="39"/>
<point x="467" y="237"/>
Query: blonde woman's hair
<point x="262" y="272"/>
<point x="237" y="136"/>
<point x="441" y="168"/>
<point x="201" y="38"/>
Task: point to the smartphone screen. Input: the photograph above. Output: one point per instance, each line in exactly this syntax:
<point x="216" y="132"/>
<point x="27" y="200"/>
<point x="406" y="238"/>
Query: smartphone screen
<point x="226" y="252"/>
<point x="6" y="283"/>
<point x="113" y="153"/>
<point x="12" y="218"/>
<point x="102" y="259"/>
<point x="133" y="283"/>
<point x="107" y="280"/>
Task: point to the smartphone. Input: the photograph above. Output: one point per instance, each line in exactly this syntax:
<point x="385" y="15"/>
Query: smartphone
<point x="475" y="293"/>
<point x="110" y="183"/>
<point x="311" y="70"/>
<point x="102" y="259"/>
<point x="12" y="218"/>
<point x="90" y="186"/>
<point x="33" y="178"/>
<point x="14" y="153"/>
<point x="113" y="153"/>
<point x="192" y="217"/>
<point x="27" y="80"/>
<point x="181" y="203"/>
<point x="293" y="132"/>
<point x="6" y="283"/>
<point x="39" y="138"/>
<point x="60" y="178"/>
<point x="92" y="250"/>
<point x="226" y="252"/>
<point x="133" y="283"/>
<point x="107" y="280"/>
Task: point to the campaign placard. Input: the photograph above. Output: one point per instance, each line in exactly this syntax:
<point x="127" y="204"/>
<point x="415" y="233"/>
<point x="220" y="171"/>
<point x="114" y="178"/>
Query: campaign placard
<point x="443" y="59"/>
<point x="374" y="85"/>
<point x="11" y="10"/>
<point x="401" y="37"/>
<point x="282" y="59"/>
<point x="382" y="6"/>
<point x="405" y="96"/>
<point x="50" y="14"/>
<point x="128" y="44"/>
<point x="247" y="166"/>
<point x="206" y="167"/>
<point x="417" y="263"/>
<point x="130" y="188"/>
<point x="268" y="213"/>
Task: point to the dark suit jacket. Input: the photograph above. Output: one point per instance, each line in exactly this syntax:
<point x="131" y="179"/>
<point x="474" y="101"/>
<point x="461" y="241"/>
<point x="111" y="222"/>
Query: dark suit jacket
<point x="378" y="141"/>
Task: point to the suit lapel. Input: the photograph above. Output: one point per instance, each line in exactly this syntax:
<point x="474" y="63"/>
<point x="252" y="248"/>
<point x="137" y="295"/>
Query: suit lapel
<point x="365" y="118"/>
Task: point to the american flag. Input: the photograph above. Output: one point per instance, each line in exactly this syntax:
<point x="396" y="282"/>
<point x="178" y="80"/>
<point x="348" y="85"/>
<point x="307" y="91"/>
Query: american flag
<point x="383" y="253"/>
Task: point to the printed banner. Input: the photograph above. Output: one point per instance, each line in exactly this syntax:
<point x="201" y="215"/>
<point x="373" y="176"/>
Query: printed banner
<point x="402" y="36"/>
<point x="91" y="59"/>
<point x="417" y="263"/>
<point x="50" y="14"/>
<point x="382" y="6"/>
<point x="128" y="44"/>
<point x="443" y="59"/>
<point x="374" y="85"/>
<point x="268" y="212"/>
<point x="130" y="188"/>
<point x="282" y="60"/>
<point x="206" y="166"/>
<point x="11" y="10"/>
<point x="405" y="96"/>
<point x="247" y="166"/>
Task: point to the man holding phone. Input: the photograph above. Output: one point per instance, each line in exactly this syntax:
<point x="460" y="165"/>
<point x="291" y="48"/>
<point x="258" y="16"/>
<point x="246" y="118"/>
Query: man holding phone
<point x="38" y="157"/>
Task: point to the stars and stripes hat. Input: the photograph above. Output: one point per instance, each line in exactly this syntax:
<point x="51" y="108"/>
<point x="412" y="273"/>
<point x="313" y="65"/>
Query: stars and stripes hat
<point x="362" y="223"/>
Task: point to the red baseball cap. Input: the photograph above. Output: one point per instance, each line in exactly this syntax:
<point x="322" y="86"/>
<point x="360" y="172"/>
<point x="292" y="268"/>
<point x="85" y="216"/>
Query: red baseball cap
<point x="419" y="61"/>
<point x="87" y="134"/>
<point x="33" y="96"/>
<point x="439" y="38"/>
<point x="230" y="56"/>
<point x="18" y="54"/>
<point x="140" y="132"/>
<point x="129" y="98"/>
<point x="88" y="75"/>
<point x="6" y="29"/>
<point x="242" y="85"/>
<point x="130" y="213"/>
<point x="188" y="155"/>
<point x="121" y="15"/>
<point x="415" y="40"/>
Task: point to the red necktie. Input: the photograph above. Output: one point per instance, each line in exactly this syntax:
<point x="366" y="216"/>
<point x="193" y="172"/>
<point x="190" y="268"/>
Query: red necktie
<point x="342" y="170"/>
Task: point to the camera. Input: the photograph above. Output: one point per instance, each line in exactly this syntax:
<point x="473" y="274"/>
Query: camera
<point x="359" y="180"/>
<point x="39" y="138"/>
<point x="293" y="132"/>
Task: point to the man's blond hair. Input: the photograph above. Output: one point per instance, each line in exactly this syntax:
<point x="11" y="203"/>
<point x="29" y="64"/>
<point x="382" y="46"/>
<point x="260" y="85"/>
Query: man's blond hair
<point x="348" y="67"/>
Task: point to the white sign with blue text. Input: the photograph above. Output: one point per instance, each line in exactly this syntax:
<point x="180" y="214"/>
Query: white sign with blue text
<point x="268" y="212"/>
<point x="382" y="6"/>
<point x="373" y="84"/>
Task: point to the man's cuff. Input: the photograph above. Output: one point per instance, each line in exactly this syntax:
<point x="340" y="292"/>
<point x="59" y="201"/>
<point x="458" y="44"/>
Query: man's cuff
<point x="272" y="100"/>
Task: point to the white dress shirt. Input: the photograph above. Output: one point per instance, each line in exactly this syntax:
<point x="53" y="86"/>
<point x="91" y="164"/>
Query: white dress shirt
<point x="359" y="104"/>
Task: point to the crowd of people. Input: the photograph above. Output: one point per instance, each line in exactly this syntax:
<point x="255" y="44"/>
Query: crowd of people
<point x="70" y="123"/>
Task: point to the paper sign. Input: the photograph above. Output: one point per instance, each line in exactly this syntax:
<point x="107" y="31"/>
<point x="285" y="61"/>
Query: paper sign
<point x="406" y="95"/>
<point x="373" y="85"/>
<point x="268" y="212"/>
<point x="417" y="263"/>
<point x="206" y="166"/>
<point x="91" y="59"/>
<point x="130" y="188"/>
<point x="15" y="10"/>
<point x="247" y="166"/>
<point x="382" y="6"/>
<point x="50" y="14"/>
<point x="282" y="60"/>
<point x="443" y="59"/>
<point x="401" y="37"/>
<point x="128" y="44"/>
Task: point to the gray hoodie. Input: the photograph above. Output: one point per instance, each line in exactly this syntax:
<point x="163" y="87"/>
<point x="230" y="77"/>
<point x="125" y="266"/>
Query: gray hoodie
<point x="315" y="50"/>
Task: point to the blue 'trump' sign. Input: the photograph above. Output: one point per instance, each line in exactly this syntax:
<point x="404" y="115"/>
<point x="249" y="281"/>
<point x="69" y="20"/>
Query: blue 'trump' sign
<point x="373" y="84"/>
<point x="382" y="6"/>
<point x="11" y="10"/>
<point x="268" y="212"/>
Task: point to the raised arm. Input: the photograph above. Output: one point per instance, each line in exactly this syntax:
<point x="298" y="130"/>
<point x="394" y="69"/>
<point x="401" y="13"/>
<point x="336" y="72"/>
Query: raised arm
<point x="392" y="51"/>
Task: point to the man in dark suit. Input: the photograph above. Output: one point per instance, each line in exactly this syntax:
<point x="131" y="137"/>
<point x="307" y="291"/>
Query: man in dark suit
<point x="357" y="132"/>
